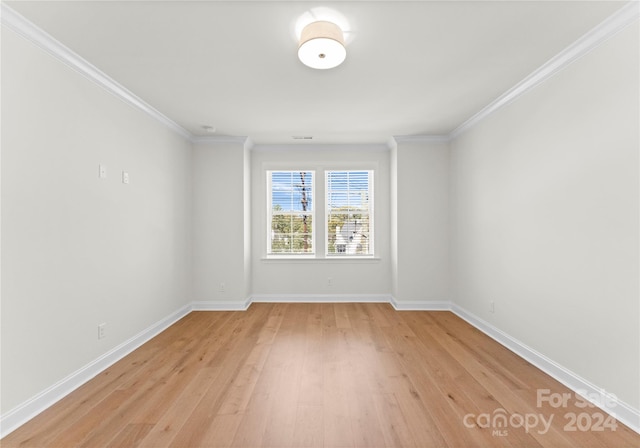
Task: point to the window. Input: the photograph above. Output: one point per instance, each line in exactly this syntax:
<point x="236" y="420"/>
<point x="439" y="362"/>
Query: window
<point x="349" y="198"/>
<point x="291" y="213"/>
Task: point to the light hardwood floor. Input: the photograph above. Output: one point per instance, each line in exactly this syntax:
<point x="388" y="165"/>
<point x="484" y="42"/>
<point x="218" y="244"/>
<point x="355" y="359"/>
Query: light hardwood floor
<point x="318" y="375"/>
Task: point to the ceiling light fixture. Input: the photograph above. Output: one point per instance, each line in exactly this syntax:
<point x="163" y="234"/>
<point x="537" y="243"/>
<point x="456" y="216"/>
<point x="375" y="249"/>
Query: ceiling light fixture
<point x="322" y="45"/>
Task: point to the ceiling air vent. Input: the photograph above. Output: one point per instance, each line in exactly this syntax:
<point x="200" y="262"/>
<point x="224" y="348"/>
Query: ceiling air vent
<point x="302" y="137"/>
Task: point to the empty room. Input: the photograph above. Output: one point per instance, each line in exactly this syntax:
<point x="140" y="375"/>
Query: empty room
<point x="320" y="224"/>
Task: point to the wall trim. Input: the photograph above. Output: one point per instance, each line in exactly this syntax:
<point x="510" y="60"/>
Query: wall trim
<point x="321" y="298"/>
<point x="218" y="139"/>
<point x="48" y="397"/>
<point x="420" y="305"/>
<point x="435" y="138"/>
<point x="18" y="416"/>
<point x="221" y="305"/>
<point x="64" y="54"/>
<point x="623" y="412"/>
<point x="275" y="147"/>
<point x="598" y="35"/>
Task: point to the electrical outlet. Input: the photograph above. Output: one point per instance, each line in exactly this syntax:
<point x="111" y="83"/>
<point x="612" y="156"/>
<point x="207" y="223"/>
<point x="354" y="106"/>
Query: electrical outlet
<point x="102" y="171"/>
<point x="492" y="307"/>
<point x="222" y="287"/>
<point x="102" y="331"/>
<point x="125" y="177"/>
<point x="329" y="281"/>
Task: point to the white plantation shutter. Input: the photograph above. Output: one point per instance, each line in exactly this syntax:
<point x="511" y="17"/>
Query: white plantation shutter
<point x="290" y="212"/>
<point x="349" y="210"/>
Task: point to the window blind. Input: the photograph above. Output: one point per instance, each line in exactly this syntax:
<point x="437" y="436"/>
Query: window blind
<point x="349" y="204"/>
<point x="291" y="212"/>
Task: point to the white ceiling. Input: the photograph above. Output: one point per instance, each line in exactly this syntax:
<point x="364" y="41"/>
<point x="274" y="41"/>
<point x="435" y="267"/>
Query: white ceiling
<point x="412" y="68"/>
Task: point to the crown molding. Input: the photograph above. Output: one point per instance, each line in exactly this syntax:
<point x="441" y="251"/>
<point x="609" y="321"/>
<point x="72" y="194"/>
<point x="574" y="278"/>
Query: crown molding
<point x="625" y="16"/>
<point x="435" y="138"/>
<point x="592" y="39"/>
<point x="23" y="27"/>
<point x="217" y="139"/>
<point x="275" y="147"/>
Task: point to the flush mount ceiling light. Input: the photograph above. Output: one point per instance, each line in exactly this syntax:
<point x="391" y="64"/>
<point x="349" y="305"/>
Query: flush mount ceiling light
<point x="322" y="45"/>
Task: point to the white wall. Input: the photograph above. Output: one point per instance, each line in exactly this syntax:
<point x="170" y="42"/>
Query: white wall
<point x="421" y="219"/>
<point x="221" y="247"/>
<point x="78" y="250"/>
<point x="545" y="218"/>
<point x="306" y="278"/>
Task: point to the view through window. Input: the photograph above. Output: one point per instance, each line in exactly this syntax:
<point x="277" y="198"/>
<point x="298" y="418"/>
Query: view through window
<point x="349" y="218"/>
<point x="348" y="200"/>
<point x="291" y="212"/>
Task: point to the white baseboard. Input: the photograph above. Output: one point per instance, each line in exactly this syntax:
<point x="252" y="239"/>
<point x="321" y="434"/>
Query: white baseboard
<point x="226" y="305"/>
<point x="623" y="412"/>
<point x="34" y="406"/>
<point x="420" y="305"/>
<point x="321" y="298"/>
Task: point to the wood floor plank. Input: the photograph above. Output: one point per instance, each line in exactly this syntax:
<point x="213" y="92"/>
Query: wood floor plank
<point x="254" y="420"/>
<point x="54" y="421"/>
<point x="433" y="382"/>
<point x="336" y="417"/>
<point x="130" y="436"/>
<point x="316" y="375"/>
<point x="335" y="406"/>
<point x="393" y="425"/>
<point x="288" y="352"/>
<point x="311" y="381"/>
<point x="222" y="431"/>
<point x="175" y="416"/>
<point x="189" y="383"/>
<point x="236" y="351"/>
<point x="499" y="387"/>
<point x="308" y="431"/>
<point x="342" y="316"/>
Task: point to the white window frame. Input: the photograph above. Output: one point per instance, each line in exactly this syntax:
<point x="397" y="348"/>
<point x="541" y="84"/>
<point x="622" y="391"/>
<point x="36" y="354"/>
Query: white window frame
<point x="311" y="213"/>
<point x="371" y="215"/>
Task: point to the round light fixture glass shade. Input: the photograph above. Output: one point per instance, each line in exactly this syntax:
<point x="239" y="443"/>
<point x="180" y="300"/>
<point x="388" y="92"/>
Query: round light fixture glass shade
<point x="322" y="45"/>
